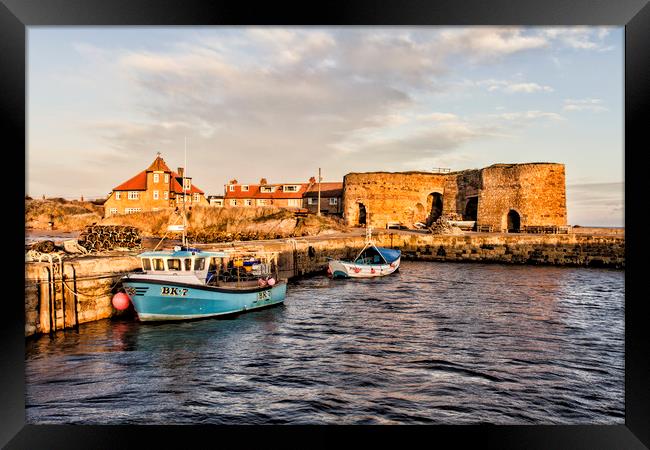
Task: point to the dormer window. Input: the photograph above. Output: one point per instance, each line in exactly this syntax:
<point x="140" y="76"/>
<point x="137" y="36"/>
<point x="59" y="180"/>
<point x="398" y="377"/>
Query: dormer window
<point x="290" y="188"/>
<point x="266" y="189"/>
<point x="188" y="183"/>
<point x="231" y="188"/>
<point x="244" y="187"/>
<point x="118" y="195"/>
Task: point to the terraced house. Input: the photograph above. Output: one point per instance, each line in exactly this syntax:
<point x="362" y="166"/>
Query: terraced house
<point x="285" y="195"/>
<point x="154" y="188"/>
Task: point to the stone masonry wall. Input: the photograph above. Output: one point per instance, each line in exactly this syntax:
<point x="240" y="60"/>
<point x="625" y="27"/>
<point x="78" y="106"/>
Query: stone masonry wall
<point x="390" y="197"/>
<point x="535" y="191"/>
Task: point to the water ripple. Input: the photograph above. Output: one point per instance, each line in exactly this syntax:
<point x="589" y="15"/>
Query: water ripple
<point x="434" y="343"/>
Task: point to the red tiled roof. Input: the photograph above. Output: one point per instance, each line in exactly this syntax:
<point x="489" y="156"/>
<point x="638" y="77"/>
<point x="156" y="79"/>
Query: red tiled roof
<point x="158" y="165"/>
<point x="177" y="185"/>
<point x="254" y="191"/>
<point x="137" y="183"/>
<point x="326" y="190"/>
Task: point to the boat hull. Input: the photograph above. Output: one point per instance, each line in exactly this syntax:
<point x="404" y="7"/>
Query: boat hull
<point x="155" y="300"/>
<point x="344" y="269"/>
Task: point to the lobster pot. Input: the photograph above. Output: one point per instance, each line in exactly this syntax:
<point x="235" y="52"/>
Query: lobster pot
<point x="109" y="237"/>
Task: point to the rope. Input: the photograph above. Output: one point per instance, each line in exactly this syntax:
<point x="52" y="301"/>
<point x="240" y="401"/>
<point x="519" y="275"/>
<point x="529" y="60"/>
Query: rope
<point x="86" y="295"/>
<point x="98" y="277"/>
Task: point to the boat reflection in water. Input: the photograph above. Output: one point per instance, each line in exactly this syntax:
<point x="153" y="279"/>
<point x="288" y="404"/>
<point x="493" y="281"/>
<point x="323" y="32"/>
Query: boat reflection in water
<point x="188" y="283"/>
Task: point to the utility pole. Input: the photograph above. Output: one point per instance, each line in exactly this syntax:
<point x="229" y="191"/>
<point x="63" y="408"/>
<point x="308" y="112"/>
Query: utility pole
<point x="319" y="180"/>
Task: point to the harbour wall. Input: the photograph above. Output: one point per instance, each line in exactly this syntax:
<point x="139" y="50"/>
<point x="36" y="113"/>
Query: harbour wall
<point x="91" y="281"/>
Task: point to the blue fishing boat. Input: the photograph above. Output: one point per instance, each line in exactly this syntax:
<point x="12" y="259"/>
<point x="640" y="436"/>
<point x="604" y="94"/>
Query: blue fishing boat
<point x="372" y="261"/>
<point x="188" y="283"/>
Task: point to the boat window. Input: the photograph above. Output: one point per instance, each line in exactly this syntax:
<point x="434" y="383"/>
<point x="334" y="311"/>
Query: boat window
<point x="174" y="264"/>
<point x="199" y="264"/>
<point x="213" y="265"/>
<point x="158" y="264"/>
<point x="146" y="264"/>
<point x="188" y="263"/>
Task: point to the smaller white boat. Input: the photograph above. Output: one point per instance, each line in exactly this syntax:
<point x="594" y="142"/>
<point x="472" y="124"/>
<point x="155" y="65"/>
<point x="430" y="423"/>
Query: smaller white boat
<point x="372" y="261"/>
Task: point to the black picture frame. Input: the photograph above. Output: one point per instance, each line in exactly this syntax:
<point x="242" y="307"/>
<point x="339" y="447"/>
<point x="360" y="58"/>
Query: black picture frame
<point x="16" y="15"/>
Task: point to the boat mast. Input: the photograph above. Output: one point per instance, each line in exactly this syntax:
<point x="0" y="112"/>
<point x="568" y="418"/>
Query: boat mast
<point x="184" y="242"/>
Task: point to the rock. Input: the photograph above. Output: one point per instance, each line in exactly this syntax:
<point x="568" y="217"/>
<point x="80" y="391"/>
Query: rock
<point x="442" y="226"/>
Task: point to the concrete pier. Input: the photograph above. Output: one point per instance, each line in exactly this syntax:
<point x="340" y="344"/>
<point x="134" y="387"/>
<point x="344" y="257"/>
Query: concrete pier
<point x="93" y="280"/>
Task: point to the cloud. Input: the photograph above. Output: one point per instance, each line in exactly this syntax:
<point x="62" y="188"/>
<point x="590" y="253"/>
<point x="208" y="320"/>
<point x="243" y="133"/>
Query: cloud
<point x="579" y="38"/>
<point x="528" y="115"/>
<point x="512" y="87"/>
<point x="437" y="116"/>
<point x="586" y="104"/>
<point x="488" y="42"/>
<point x="288" y="100"/>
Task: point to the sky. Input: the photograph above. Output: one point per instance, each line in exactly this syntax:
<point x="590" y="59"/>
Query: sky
<point x="280" y="102"/>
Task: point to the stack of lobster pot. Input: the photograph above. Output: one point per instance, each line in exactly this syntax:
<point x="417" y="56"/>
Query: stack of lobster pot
<point x="108" y="237"/>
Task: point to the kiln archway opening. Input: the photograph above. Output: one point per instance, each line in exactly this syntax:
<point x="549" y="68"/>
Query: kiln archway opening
<point x="471" y="209"/>
<point x="514" y="221"/>
<point x="362" y="214"/>
<point x="434" y="201"/>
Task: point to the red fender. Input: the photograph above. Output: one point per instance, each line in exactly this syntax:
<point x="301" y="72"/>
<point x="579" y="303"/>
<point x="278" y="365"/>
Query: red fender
<point x="357" y="269"/>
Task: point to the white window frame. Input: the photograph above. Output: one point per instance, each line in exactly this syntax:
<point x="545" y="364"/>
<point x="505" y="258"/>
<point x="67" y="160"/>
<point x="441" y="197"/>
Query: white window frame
<point x="113" y="211"/>
<point x="311" y="201"/>
<point x="219" y="202"/>
<point x="261" y="202"/>
<point x="290" y="188"/>
<point x="231" y="188"/>
<point x="248" y="202"/>
<point x="134" y="195"/>
<point x="117" y="195"/>
<point x="266" y="189"/>
<point x="196" y="197"/>
<point x="188" y="183"/>
<point x="334" y="201"/>
<point x="244" y="188"/>
<point x="294" y="202"/>
<point x="233" y="202"/>
<point x="156" y="178"/>
<point x="166" y="178"/>
<point x="132" y="210"/>
<point x="165" y="195"/>
<point x="156" y="195"/>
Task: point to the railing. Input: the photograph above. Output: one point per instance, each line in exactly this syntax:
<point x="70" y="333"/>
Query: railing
<point x="484" y="228"/>
<point x="546" y="229"/>
<point x="440" y="170"/>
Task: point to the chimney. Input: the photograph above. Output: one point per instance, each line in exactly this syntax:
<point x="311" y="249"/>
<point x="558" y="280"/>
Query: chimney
<point x="180" y="171"/>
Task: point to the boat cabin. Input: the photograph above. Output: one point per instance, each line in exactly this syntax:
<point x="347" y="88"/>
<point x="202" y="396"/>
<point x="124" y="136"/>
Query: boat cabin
<point x="212" y="267"/>
<point x="374" y="255"/>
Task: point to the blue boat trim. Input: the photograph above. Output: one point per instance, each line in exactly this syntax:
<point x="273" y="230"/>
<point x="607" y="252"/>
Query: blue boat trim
<point x="200" y="287"/>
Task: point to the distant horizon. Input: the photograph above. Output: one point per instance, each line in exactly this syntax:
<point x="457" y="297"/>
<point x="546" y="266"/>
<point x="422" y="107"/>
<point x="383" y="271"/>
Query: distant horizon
<point x="280" y="102"/>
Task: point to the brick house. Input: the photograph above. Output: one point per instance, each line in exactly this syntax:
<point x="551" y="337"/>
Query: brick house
<point x="154" y="188"/>
<point x="286" y="195"/>
<point x="331" y="198"/>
